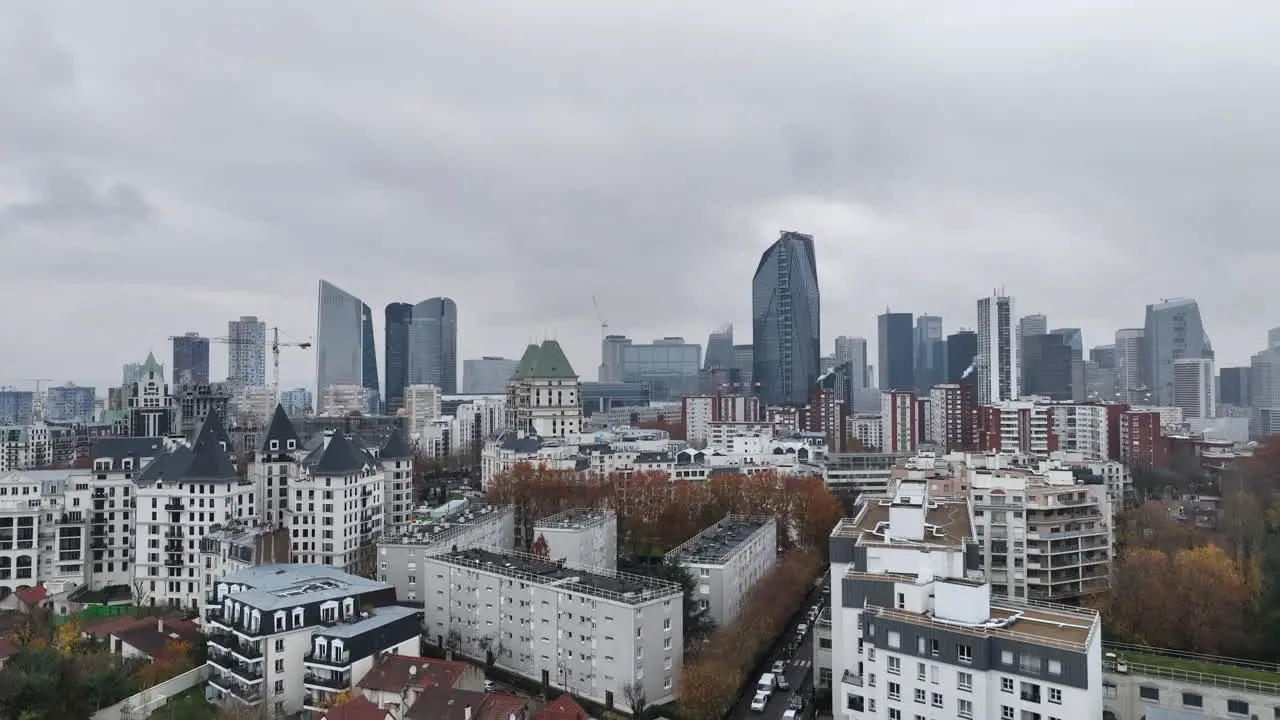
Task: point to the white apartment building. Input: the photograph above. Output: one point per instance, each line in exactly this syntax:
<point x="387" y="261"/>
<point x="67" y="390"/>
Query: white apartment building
<point x="1113" y="472"/>
<point x="21" y="510"/>
<point x="397" y="482"/>
<point x="288" y="638"/>
<point x="699" y="411"/>
<point x="478" y="421"/>
<point x="508" y="450"/>
<point x="181" y="495"/>
<point x="25" y="447"/>
<point x="1194" y="385"/>
<point x="107" y="494"/>
<point x="337" y="514"/>
<point x="399" y="554"/>
<point x="1042" y="535"/>
<point x="858" y="473"/>
<point x="1081" y="429"/>
<point x="727" y="560"/>
<point x="999" y="357"/>
<point x="421" y="407"/>
<point x="900" y="421"/>
<point x="586" y="537"/>
<point x="62" y="532"/>
<point x="1134" y="690"/>
<point x="277" y="463"/>
<point x="868" y="430"/>
<point x="344" y="400"/>
<point x="917" y="633"/>
<point x="723" y="433"/>
<point x="589" y="632"/>
<point x="251" y="406"/>
<point x="543" y="396"/>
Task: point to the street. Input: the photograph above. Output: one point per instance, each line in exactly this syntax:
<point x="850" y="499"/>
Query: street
<point x="799" y="672"/>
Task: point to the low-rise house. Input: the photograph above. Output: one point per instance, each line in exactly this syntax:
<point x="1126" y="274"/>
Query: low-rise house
<point x="357" y="708"/>
<point x="450" y="704"/>
<point x="24" y="600"/>
<point x="149" y="637"/>
<point x="562" y="708"/>
<point x="395" y="682"/>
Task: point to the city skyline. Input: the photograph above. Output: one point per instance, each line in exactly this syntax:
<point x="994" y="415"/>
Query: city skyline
<point x="950" y="198"/>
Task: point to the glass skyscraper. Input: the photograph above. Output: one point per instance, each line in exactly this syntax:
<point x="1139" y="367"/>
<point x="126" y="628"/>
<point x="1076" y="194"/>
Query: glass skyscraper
<point x="341" y="331"/>
<point x="433" y="344"/>
<point x="395" y="353"/>
<point x="190" y="360"/>
<point x="896" y="352"/>
<point x="369" y="359"/>
<point x="786" y="324"/>
<point x="1173" y="331"/>
<point x="720" y="350"/>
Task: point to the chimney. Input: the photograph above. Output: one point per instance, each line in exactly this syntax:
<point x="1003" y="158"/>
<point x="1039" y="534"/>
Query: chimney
<point x="160" y="625"/>
<point x="466" y="713"/>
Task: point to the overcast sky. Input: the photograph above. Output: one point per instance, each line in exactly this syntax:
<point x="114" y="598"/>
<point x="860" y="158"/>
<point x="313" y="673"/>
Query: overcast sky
<point x="167" y="166"/>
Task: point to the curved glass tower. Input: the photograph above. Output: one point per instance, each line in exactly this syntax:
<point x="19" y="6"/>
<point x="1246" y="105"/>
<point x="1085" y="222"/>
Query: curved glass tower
<point x="395" y="353"/>
<point x="433" y="344"/>
<point x="786" y="330"/>
<point x="340" y="331"/>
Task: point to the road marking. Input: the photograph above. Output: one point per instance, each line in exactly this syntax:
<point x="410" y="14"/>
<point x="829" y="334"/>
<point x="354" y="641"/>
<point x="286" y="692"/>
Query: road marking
<point x="802" y="663"/>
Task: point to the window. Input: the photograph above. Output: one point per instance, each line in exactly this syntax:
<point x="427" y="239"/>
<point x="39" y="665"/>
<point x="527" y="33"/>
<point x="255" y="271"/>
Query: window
<point x="964" y="681"/>
<point x="1006" y="712"/>
<point x="895" y="665"/>
<point x="935" y="699"/>
<point x="1055" y="696"/>
<point x="920" y="696"/>
<point x="1146" y="692"/>
<point x="1030" y="692"/>
<point x="853" y="702"/>
<point x="1029" y="664"/>
<point x="920" y="671"/>
<point x="1006" y="657"/>
<point x="964" y="708"/>
<point x="1237" y="707"/>
<point x="895" y="714"/>
<point x="964" y="653"/>
<point x="895" y="691"/>
<point x="933" y="648"/>
<point x="1192" y="700"/>
<point x="1109" y="690"/>
<point x="1006" y="685"/>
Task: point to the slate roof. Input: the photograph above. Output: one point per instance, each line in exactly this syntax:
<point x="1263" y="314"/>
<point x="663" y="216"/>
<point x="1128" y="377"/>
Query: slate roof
<point x="205" y="459"/>
<point x="395" y="448"/>
<point x="147" y="635"/>
<point x="552" y="363"/>
<point x="449" y="704"/>
<point x="280" y="428"/>
<point x="340" y="457"/>
<point x="118" y="448"/>
<point x="527" y="361"/>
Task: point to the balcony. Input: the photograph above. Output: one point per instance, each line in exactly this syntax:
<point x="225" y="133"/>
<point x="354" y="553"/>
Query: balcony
<point x="71" y="518"/>
<point x="174" y="532"/>
<point x="329" y="659"/>
<point x="222" y="660"/>
<point x="98" y="544"/>
<point x="173" y="546"/>
<point x="248" y="694"/>
<point x="172" y="561"/>
<point x="173" y="505"/>
<point x="337" y="681"/>
<point x="100" y="493"/>
<point x="850" y="679"/>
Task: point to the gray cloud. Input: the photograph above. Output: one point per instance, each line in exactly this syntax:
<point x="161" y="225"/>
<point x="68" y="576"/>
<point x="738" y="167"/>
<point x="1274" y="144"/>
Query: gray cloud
<point x="522" y="157"/>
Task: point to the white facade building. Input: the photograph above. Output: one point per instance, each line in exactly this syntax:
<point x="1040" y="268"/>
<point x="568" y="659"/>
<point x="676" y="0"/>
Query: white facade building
<point x="421" y="406"/>
<point x="1081" y="429"/>
<point x="916" y="631"/>
<point x="337" y="514"/>
<point x="587" y="537"/>
<point x="998" y="352"/>
<point x="344" y="400"/>
<point x="1194" y="388"/>
<point x="900" y="421"/>
<point x="727" y="560"/>
<point x="867" y="429"/>
<point x="590" y="632"/>
<point x="463" y="526"/>
<point x="107" y="494"/>
<point x="543" y="396"/>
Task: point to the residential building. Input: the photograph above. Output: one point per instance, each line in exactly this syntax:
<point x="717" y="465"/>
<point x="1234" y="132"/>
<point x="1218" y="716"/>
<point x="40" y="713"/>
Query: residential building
<point x="786" y="321"/>
<point x="901" y="423"/>
<point x="698" y="412"/>
<point x="297" y="401"/>
<point x="395" y="353"/>
<point x="421" y="408"/>
<point x="1016" y="426"/>
<point x="396" y="682"/>
<point x="70" y="403"/>
<point x="236" y="546"/>
<point x="1156" y="686"/>
<point x="106" y="494"/>
<point x="1173" y="331"/>
<point x="930" y="352"/>
<point x="26" y="447"/>
<point x="542" y="397"/>
<point x="459" y="524"/>
<point x="487" y="375"/>
<point x="291" y="637"/>
<point x="148" y="402"/>
<point x="590" y="632"/>
<point x="21" y="511"/>
<point x="16" y="407"/>
<point x="669" y="365"/>
<point x="896" y="342"/>
<point x="276" y="464"/>
<point x="247" y="352"/>
<point x="340" y="351"/>
<point x="1142" y="441"/>
<point x="868" y="429"/>
<point x="962" y="353"/>
<point x="951" y="416"/>
<point x="916" y="628"/>
<point x="586" y="537"/>
<point x="250" y="407"/>
<point x="190" y="360"/>
<point x="337" y="514"/>
<point x="193" y="403"/>
<point x="997" y="360"/>
<point x="181" y="495"/>
<point x="612" y="351"/>
<point x="1193" y="388"/>
<point x="825" y="414"/>
<point x="726" y="561"/>
<point x="1043" y="535"/>
<point x="1085" y="429"/>
<point x="397" y="482"/>
<point x="433" y="344"/>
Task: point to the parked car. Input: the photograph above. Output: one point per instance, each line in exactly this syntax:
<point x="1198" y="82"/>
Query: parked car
<point x="779" y="667"/>
<point x="759" y="702"/>
<point x="783" y="682"/>
<point x="790" y="715"/>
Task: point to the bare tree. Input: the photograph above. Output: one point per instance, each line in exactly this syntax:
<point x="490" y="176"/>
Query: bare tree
<point x="485" y="643"/>
<point x="634" y="694"/>
<point x="141" y="593"/>
<point x="452" y="643"/>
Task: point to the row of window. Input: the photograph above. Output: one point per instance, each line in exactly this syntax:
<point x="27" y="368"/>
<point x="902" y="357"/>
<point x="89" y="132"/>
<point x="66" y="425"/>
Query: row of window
<point x="1191" y="700"/>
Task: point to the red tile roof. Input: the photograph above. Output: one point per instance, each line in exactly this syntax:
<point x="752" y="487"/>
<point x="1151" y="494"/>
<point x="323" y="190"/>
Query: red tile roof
<point x="447" y="704"/>
<point x="396" y="672"/>
<point x="111" y="625"/>
<point x="500" y="706"/>
<point x="32" y="595"/>
<point x="357" y="708"/>
<point x="562" y="708"/>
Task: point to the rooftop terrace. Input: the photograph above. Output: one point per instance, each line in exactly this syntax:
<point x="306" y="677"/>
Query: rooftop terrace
<point x="716" y="544"/>
<point x="282" y="585"/>
<point x="1060" y="626"/>
<point x="1220" y="672"/>
<point x="946" y="519"/>
<point x="596" y="582"/>
<point x="444" y="530"/>
<point x="577" y="519"/>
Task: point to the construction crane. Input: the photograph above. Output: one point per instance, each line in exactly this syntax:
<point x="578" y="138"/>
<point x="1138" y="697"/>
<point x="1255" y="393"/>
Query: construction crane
<point x="275" y="359"/>
<point x="604" y="324"/>
<point x="38" y="382"/>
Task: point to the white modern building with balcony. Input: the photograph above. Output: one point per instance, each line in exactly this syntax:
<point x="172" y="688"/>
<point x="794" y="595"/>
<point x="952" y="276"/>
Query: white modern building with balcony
<point x="727" y="560"/>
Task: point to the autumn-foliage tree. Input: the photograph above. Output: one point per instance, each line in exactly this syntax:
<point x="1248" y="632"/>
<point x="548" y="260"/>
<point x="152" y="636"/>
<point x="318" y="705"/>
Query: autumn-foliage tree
<point x="46" y="684"/>
<point x="174" y="660"/>
<point x="540" y="547"/>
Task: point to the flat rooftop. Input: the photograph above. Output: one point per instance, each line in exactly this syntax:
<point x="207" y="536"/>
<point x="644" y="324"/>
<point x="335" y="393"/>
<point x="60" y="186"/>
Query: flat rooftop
<point x="946" y="520"/>
<point x="1063" y="627"/>
<point x="576" y="519"/>
<point x="607" y="584"/>
<point x="380" y="617"/>
<point x="282" y="585"/>
<point x="445" y="529"/>
<point x="718" y="543"/>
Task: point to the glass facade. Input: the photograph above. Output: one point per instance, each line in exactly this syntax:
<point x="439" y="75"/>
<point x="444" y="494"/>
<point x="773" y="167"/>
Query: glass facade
<point x="786" y="327"/>
<point x="69" y="403"/>
<point x="719" y="349"/>
<point x="670" y="366"/>
<point x="896" y="350"/>
<point x="1173" y="331"/>
<point x="340" y="332"/>
<point x="16" y="407"/>
<point x="433" y="345"/>
<point x="190" y="360"/>
<point x="962" y="348"/>
<point x="395" y="353"/>
<point x="369" y="359"/>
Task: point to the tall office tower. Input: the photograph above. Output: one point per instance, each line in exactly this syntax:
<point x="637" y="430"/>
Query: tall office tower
<point x="1273" y="338"/>
<point x="69" y="403"/>
<point x="896" y="350"/>
<point x="487" y="375"/>
<point x="930" y="352"/>
<point x="1104" y="355"/>
<point x="16" y="406"/>
<point x="1046" y="367"/>
<point x="1173" y="331"/>
<point x="369" y="360"/>
<point x="744" y="363"/>
<point x="670" y="366"/>
<point x="190" y="360"/>
<point x="247" y="352"/>
<point x="1233" y="386"/>
<point x="433" y="345"/>
<point x="1073" y="339"/>
<point x="962" y="350"/>
<point x="1193" y="391"/>
<point x="853" y="350"/>
<point x="339" y="339"/>
<point x="1264" y="392"/>
<point x="1130" y="366"/>
<point x="786" y="322"/>
<point x="1034" y="324"/>
<point x="395" y="353"/>
<point x="998" y="362"/>
<point x="720" y="349"/>
<point x="613" y="348"/>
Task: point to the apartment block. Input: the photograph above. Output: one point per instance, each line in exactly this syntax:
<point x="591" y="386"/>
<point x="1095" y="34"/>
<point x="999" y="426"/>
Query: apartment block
<point x="1083" y="429"/>
<point x="1016" y="426"/>
<point x="1142" y="440"/>
<point x="588" y="632"/>
<point x="1042" y="535"/>
<point x="699" y="411"/>
<point x="235" y="547"/>
<point x="900" y="421"/>
<point x="951" y="420"/>
<point x="587" y="537"/>
<point x="108" y="494"/>
<point x="399" y="554"/>
<point x="916" y="630"/>
<point x="727" y="560"/>
<point x="287" y="638"/>
<point x="337" y="511"/>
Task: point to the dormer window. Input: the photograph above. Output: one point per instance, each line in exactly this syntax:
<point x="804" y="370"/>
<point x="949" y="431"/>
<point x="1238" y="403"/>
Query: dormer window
<point x="297" y="617"/>
<point x="291" y="444"/>
<point x="274" y="445"/>
<point x="348" y="607"/>
<point x="126" y="464"/>
<point x="279" y="620"/>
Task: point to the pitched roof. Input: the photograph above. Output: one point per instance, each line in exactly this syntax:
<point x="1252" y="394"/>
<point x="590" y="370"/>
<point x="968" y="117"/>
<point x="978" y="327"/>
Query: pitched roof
<point x="397" y="671"/>
<point x="110" y="626"/>
<point x="527" y="361"/>
<point x="150" y="637"/>
<point x="206" y="459"/>
<point x="281" y="429"/>
<point x="357" y="708"/>
<point x="7" y="648"/>
<point x="340" y="457"/>
<point x="449" y="704"/>
<point x="562" y="708"/>
<point x="552" y="362"/>
<point x="32" y="595"/>
<point x="395" y="448"/>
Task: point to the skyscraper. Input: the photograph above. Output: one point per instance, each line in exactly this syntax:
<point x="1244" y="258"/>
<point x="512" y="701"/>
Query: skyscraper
<point x="612" y="350"/>
<point x="1273" y="338"/>
<point x="369" y="359"/>
<point x="1034" y="324"/>
<point x="339" y="339"/>
<point x="786" y="324"/>
<point x="962" y="350"/>
<point x="997" y="368"/>
<point x="1130" y="366"/>
<point x="930" y="353"/>
<point x="1233" y="386"/>
<point x="191" y="360"/>
<point x="69" y="403"/>
<point x="853" y="350"/>
<point x="1104" y="355"/>
<point x="1073" y="339"/>
<point x="487" y="375"/>
<point x="395" y="353"/>
<point x="896" y="350"/>
<point x="433" y="345"/>
<point x="247" y="352"/>
<point x="1046" y="367"/>
<point x="719" y="349"/>
<point x="1173" y="331"/>
<point x="744" y="363"/>
<point x="1193" y="391"/>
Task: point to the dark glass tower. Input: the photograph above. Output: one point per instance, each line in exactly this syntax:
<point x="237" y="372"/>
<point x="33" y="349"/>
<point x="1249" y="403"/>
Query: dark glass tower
<point x="369" y="357"/>
<point x="786" y="330"/>
<point x="962" y="348"/>
<point x="896" y="347"/>
<point x="1046" y="366"/>
<point x="395" y="354"/>
<point x="433" y="344"/>
<point x="190" y="360"/>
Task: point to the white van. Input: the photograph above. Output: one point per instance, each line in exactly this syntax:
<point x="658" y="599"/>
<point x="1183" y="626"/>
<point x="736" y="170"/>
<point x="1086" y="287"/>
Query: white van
<point x="768" y="683"/>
